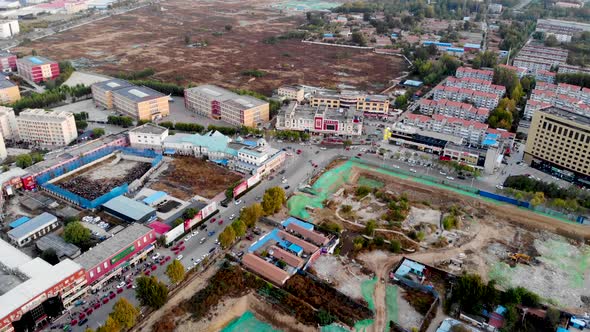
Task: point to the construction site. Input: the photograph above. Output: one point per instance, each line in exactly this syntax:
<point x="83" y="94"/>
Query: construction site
<point x="514" y="246"/>
<point x="183" y="177"/>
<point x="211" y="42"/>
<point x="100" y="178"/>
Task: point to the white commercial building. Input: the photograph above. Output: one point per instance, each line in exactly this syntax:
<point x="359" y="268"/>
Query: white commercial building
<point x="292" y="93"/>
<point x="148" y="136"/>
<point x="8" y="126"/>
<point x="8" y="28"/>
<point x="33" y="290"/>
<point x="33" y="229"/>
<point x="46" y="127"/>
<point x="320" y="120"/>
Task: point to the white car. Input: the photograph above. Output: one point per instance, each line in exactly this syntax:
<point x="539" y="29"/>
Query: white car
<point x="450" y="178"/>
<point x="413" y="170"/>
<point x="442" y="173"/>
<point x="179" y="257"/>
<point x="499" y="187"/>
<point x="323" y="148"/>
<point x="121" y="284"/>
<point x="395" y="166"/>
<point x="284" y="181"/>
<point x="238" y="202"/>
<point x="156" y="256"/>
<point x="195" y="232"/>
<point x="232" y="217"/>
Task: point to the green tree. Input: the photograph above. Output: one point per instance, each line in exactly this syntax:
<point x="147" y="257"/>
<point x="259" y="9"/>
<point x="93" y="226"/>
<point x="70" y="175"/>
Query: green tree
<point x="485" y="59"/>
<point x="151" y="292"/>
<point x="239" y="227"/>
<point x="362" y="191"/>
<point x="324" y="317"/>
<point x="272" y="200"/>
<point x="551" y="41"/>
<point x="76" y="233"/>
<point x="395" y="246"/>
<point x="50" y="256"/>
<point x="251" y="214"/>
<point x="538" y="199"/>
<point x="177" y="222"/>
<point x="36" y="157"/>
<point x="370" y="227"/>
<point x="81" y="125"/>
<point x="124" y="314"/>
<point x="24" y="160"/>
<point x="97" y="132"/>
<point x="358" y="38"/>
<point x="401" y="101"/>
<point x="175" y="271"/>
<point x="190" y="213"/>
<point x="227" y="237"/>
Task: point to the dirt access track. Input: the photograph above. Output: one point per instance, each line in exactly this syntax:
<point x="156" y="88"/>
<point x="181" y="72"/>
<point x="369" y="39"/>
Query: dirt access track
<point x="154" y="37"/>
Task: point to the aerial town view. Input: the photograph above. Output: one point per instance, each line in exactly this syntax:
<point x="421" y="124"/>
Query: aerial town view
<point x="294" y="165"/>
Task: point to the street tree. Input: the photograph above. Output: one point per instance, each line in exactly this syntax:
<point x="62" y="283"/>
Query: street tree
<point x="97" y="132"/>
<point x="76" y="233"/>
<point x="124" y="314"/>
<point x="239" y="227"/>
<point x="227" y="237"/>
<point x="273" y="200"/>
<point x="24" y="160"/>
<point x="110" y="325"/>
<point x="251" y="214"/>
<point x="151" y="292"/>
<point x="175" y="271"/>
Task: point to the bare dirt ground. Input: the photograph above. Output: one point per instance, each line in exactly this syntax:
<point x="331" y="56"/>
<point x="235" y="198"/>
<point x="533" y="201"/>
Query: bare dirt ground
<point x="154" y="37"/>
<point x="186" y="177"/>
<point x="349" y="278"/>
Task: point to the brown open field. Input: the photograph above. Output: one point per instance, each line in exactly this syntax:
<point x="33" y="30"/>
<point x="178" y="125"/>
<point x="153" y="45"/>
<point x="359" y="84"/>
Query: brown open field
<point x="154" y="36"/>
<point x="187" y="177"/>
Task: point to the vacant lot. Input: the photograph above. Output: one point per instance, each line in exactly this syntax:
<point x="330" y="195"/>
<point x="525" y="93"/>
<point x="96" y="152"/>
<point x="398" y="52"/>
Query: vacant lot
<point x="155" y="36"/>
<point x="187" y="177"/>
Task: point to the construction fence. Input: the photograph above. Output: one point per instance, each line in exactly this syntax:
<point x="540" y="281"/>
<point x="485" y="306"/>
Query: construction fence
<point x="81" y="201"/>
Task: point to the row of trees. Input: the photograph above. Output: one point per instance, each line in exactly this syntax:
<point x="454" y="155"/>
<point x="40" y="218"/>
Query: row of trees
<point x="272" y="201"/>
<point x="506" y="114"/>
<point x="122" y="318"/>
<point x="579" y="79"/>
<point x="569" y="198"/>
<point x="433" y="71"/>
<point x="39" y="100"/>
<point x="25" y="160"/>
<point x="137" y="75"/>
<point x="291" y="135"/>
<point x="123" y="121"/>
<point x="165" y="88"/>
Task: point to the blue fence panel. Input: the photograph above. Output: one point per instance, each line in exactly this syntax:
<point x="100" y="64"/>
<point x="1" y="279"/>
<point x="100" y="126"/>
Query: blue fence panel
<point x="157" y="160"/>
<point x="121" y="190"/>
<point x="501" y="198"/>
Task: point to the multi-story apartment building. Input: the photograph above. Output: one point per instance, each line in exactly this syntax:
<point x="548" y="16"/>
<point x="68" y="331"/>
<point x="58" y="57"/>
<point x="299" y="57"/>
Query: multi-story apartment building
<point x="454" y="109"/>
<point x="222" y="104"/>
<point x="482" y="74"/>
<point x="472" y="132"/>
<point x="46" y="127"/>
<point x="291" y="93"/>
<point x="478" y="98"/>
<point x="8" y="126"/>
<point x="370" y="104"/>
<point x="567" y="96"/>
<point x="476" y="84"/>
<point x="102" y="92"/>
<point x="7" y="62"/>
<point x="569" y="69"/>
<point x="562" y="30"/>
<point x="537" y="58"/>
<point x="320" y="120"/>
<point x="545" y="76"/>
<point x="141" y="103"/>
<point x="9" y="92"/>
<point x="558" y="143"/>
<point x="37" y="69"/>
<point x="9" y="28"/>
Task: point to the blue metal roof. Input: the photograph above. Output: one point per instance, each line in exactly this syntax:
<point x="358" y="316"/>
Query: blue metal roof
<point x="151" y="199"/>
<point x="455" y="49"/>
<point x="271" y="236"/>
<point x="295" y="248"/>
<point x="32" y="225"/>
<point x="297" y="222"/>
<point x="249" y="143"/>
<point x="128" y="207"/>
<point x="19" y="222"/>
<point x="471" y="45"/>
<point x="413" y="83"/>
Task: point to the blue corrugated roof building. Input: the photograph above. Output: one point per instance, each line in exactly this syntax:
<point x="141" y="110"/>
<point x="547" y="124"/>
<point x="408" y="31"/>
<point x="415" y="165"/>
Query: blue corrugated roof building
<point x="19" y="222"/>
<point x="151" y="199"/>
<point x="128" y="209"/>
<point x="297" y="222"/>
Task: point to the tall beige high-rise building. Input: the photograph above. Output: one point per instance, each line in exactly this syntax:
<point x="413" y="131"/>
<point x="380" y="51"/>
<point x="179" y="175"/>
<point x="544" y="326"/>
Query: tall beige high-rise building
<point x="46" y="127"/>
<point x="559" y="143"/>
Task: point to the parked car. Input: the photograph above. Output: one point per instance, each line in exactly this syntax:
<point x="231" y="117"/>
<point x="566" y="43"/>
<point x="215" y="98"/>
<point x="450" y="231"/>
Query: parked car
<point x="179" y="257"/>
<point x="238" y="202"/>
<point x="112" y="295"/>
<point x="81" y="316"/>
<point x="299" y="151"/>
<point x="154" y="267"/>
<point x="83" y="321"/>
<point x="413" y="170"/>
<point x="287" y="187"/>
<point x="156" y="256"/>
<point x="120" y="290"/>
<point x="96" y="305"/>
<point x="450" y="178"/>
<point x="121" y="284"/>
<point x="220" y="222"/>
